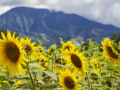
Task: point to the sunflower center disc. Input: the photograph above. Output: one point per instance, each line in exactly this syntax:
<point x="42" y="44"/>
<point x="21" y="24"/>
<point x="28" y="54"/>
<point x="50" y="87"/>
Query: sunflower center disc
<point x="42" y="62"/>
<point x="112" y="54"/>
<point x="76" y="61"/>
<point x="69" y="82"/>
<point x="40" y="50"/>
<point x="12" y="52"/>
<point x="28" y="48"/>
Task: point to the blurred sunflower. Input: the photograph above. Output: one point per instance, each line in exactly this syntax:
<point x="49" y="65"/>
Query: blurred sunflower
<point x="57" y="68"/>
<point x="95" y="65"/>
<point x="67" y="46"/>
<point x="68" y="80"/>
<point x="41" y="51"/>
<point x="3" y="82"/>
<point x="43" y="62"/>
<point x="18" y="83"/>
<point x="29" y="47"/>
<point x="109" y="51"/>
<point x="60" y="64"/>
<point x="77" y="60"/>
<point x="11" y="53"/>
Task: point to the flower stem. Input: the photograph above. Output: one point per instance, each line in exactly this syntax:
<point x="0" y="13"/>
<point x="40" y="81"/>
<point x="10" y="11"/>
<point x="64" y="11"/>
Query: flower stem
<point x="89" y="86"/>
<point x="31" y="78"/>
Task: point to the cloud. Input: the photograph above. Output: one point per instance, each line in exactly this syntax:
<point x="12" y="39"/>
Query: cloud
<point x="4" y="9"/>
<point x="105" y="11"/>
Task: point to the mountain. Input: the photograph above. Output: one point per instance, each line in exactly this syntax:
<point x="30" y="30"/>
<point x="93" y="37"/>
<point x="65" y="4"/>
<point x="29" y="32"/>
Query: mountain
<point x="49" y="25"/>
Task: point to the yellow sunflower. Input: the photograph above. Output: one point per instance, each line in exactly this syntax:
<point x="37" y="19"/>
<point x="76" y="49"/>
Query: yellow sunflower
<point x="11" y="54"/>
<point x="57" y="68"/>
<point x="109" y="51"/>
<point x="68" y="80"/>
<point x="18" y="83"/>
<point x="43" y="62"/>
<point x="95" y="65"/>
<point x="60" y="65"/>
<point x="29" y="47"/>
<point x="41" y="51"/>
<point x="77" y="60"/>
<point x="67" y="46"/>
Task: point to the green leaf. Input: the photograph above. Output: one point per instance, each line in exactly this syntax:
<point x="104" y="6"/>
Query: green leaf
<point x="39" y="77"/>
<point x="2" y="78"/>
<point x="53" y="75"/>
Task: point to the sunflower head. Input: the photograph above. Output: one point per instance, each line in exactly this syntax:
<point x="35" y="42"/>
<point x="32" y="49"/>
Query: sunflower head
<point x="29" y="47"/>
<point x="57" y="68"/>
<point x="12" y="55"/>
<point x="94" y="63"/>
<point x="41" y="51"/>
<point x="43" y="62"/>
<point x="109" y="51"/>
<point x="18" y="83"/>
<point x="68" y="80"/>
<point x="76" y="60"/>
<point x="67" y="46"/>
<point x="60" y="64"/>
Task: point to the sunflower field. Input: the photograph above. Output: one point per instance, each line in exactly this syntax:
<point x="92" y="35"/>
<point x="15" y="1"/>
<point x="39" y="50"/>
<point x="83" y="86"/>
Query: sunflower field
<point x="26" y="65"/>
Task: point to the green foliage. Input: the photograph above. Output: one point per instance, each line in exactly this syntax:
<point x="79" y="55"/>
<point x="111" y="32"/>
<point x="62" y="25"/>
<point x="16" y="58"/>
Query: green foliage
<point x="115" y="37"/>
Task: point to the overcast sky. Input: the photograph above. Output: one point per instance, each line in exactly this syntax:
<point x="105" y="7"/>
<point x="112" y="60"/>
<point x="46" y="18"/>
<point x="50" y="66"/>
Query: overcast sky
<point x="105" y="11"/>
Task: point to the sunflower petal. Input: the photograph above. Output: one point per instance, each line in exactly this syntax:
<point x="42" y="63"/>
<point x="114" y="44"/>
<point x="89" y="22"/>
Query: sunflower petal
<point x="3" y="36"/>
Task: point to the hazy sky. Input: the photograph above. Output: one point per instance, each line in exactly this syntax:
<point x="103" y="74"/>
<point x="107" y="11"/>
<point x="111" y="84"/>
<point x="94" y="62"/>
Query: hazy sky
<point x="105" y="11"/>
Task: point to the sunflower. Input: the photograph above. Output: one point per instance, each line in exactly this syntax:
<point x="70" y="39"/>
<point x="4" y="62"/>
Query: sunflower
<point x="68" y="80"/>
<point x="67" y="46"/>
<point x="11" y="53"/>
<point x="41" y="51"/>
<point x="43" y="62"/>
<point x="18" y="83"/>
<point x="109" y="51"/>
<point x="29" y="47"/>
<point x="77" y="60"/>
<point x="57" y="68"/>
<point x="60" y="64"/>
<point x="95" y="65"/>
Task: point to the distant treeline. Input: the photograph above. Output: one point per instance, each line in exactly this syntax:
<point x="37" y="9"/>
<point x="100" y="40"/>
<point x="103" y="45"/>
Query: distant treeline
<point x="114" y="36"/>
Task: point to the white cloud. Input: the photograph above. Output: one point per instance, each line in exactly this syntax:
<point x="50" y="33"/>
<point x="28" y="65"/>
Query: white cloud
<point x="105" y="11"/>
<point x="115" y="9"/>
<point x="4" y="9"/>
<point x="91" y="1"/>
